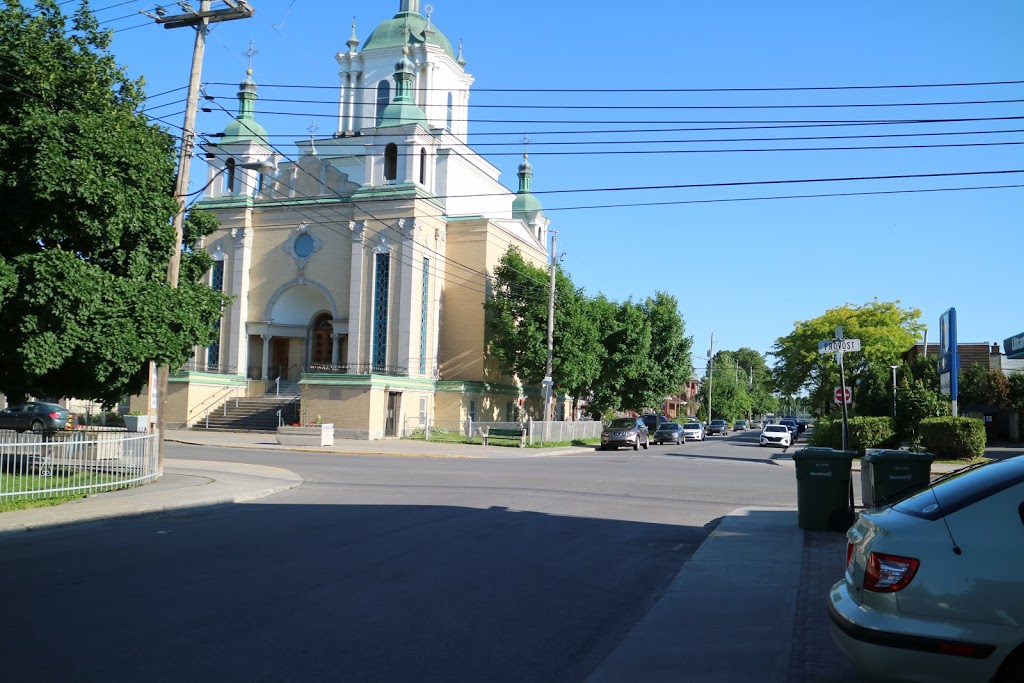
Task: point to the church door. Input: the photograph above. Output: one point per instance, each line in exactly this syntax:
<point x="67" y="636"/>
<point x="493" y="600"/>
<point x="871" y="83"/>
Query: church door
<point x="279" y="357"/>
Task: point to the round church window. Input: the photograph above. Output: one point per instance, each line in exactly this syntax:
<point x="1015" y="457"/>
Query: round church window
<point x="304" y="245"/>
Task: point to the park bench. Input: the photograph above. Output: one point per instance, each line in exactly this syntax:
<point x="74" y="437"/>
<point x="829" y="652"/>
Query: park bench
<point x="506" y="433"/>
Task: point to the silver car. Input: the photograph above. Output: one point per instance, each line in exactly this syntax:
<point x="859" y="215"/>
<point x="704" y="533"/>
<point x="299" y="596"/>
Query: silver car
<point x="934" y="585"/>
<point x="625" y="431"/>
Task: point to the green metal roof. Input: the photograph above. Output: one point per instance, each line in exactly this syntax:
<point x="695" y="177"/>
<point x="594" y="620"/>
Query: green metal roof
<point x="244" y="127"/>
<point x="391" y="33"/>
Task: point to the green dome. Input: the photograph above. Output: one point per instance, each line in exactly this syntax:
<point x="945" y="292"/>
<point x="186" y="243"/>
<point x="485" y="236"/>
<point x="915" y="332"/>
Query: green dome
<point x="245" y="130"/>
<point x="391" y="33"/>
<point x="526" y="203"/>
<point x="244" y="127"/>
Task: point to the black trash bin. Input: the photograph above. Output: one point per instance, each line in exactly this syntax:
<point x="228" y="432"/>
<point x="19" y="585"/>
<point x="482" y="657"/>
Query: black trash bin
<point x="823" y="488"/>
<point x="888" y="476"/>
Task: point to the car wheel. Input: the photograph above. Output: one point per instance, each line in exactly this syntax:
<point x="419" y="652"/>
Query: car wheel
<point x="37" y="426"/>
<point x="647" y="442"/>
<point x="636" y="444"/>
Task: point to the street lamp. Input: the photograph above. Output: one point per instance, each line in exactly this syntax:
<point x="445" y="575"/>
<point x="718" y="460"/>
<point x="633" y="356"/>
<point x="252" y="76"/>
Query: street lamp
<point x="894" y="389"/>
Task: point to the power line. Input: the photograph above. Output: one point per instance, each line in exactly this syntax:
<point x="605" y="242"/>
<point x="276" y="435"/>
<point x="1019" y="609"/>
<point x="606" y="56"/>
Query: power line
<point x="668" y="90"/>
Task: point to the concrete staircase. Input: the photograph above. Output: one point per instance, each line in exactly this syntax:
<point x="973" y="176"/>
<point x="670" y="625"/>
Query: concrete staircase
<point x="255" y="414"/>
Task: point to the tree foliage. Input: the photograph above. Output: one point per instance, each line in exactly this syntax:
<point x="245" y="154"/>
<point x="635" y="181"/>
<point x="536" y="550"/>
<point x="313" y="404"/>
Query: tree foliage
<point x="885" y="329"/>
<point x="979" y="386"/>
<point x="87" y="191"/>
<point x="741" y="385"/>
<point x="620" y="356"/>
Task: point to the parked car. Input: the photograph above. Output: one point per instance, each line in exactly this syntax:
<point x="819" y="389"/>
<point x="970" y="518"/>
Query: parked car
<point x="625" y="431"/>
<point x="801" y="425"/>
<point x="34" y="415"/>
<point x="670" y="432"/>
<point x="694" y="430"/>
<point x="718" y="427"/>
<point x="934" y="584"/>
<point x="740" y="426"/>
<point x="776" y="435"/>
<point x="653" y="421"/>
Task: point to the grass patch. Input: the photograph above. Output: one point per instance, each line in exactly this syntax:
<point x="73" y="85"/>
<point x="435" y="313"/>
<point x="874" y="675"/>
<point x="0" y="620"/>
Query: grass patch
<point x="29" y="483"/>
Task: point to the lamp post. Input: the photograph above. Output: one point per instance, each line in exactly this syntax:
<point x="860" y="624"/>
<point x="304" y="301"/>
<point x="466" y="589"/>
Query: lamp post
<point x="894" y="389"/>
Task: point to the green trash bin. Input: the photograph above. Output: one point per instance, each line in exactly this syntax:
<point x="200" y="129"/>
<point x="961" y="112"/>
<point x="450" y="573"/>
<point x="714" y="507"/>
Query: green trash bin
<point x="888" y="476"/>
<point x="823" y="488"/>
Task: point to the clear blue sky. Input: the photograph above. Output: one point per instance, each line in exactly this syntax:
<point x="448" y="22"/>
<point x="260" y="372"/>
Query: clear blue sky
<point x="745" y="270"/>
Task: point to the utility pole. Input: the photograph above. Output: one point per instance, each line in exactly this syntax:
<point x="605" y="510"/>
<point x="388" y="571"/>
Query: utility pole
<point x="711" y="373"/>
<point x="200" y="21"/>
<point x="548" y="381"/>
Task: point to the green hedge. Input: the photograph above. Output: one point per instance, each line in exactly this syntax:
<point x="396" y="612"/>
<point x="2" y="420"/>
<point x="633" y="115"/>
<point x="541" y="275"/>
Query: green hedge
<point x="865" y="433"/>
<point x="953" y="438"/>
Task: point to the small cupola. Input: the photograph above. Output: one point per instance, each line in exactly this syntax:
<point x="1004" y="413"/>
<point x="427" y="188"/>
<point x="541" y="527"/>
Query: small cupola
<point x="402" y="110"/>
<point x="244" y="127"/>
<point x="526" y="206"/>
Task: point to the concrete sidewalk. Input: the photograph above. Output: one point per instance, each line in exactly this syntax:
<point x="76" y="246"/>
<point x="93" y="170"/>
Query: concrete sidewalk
<point x="185" y="484"/>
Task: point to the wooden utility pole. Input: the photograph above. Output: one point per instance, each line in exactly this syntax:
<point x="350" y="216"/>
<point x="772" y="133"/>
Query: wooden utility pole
<point x="200" y="21"/>
<point x="549" y="383"/>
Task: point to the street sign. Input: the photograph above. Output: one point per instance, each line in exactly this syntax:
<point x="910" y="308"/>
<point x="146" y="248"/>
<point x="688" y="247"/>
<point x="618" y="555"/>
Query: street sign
<point x="841" y="397"/>
<point x="838" y="345"/>
<point x="945" y="385"/>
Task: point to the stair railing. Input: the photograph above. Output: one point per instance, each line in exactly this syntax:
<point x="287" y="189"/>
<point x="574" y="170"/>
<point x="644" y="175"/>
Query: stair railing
<point x="213" y="402"/>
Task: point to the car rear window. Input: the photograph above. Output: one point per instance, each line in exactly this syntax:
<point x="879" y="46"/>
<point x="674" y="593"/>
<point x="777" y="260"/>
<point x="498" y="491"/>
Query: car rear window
<point x="963" y="488"/>
<point x="669" y="426"/>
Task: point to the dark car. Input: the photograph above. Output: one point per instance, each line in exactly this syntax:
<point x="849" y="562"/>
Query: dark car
<point x="670" y="432"/>
<point x="801" y="425"/>
<point x="625" y="431"/>
<point x="794" y="428"/>
<point x="653" y="421"/>
<point x="34" y="415"/>
<point x="718" y="427"/>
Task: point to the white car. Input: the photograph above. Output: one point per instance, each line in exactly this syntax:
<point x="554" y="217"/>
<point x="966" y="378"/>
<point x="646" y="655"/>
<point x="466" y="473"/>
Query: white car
<point x="694" y="431"/>
<point x="934" y="584"/>
<point x="776" y="435"/>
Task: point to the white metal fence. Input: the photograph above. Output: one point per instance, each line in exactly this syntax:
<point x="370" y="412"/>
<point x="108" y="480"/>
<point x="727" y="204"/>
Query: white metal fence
<point x="536" y="431"/>
<point x="35" y="465"/>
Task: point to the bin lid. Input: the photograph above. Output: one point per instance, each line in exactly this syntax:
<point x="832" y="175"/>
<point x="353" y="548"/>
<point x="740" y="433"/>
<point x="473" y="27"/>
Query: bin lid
<point x="817" y="452"/>
<point x="892" y="455"/>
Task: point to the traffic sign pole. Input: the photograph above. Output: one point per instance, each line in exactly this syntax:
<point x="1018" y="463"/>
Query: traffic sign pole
<point x="842" y="378"/>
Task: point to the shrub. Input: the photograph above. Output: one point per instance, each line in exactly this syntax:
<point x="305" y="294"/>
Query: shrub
<point x="953" y="438"/>
<point x="865" y="433"/>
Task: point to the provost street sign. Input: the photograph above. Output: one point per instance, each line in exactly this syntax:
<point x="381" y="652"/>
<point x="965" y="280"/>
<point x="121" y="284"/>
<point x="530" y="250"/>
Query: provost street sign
<point x="838" y="345"/>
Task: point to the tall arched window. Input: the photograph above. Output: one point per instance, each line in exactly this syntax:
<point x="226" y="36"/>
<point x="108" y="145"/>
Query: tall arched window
<point x="383" y="98"/>
<point x="321" y="350"/>
<point x="423" y="166"/>
<point x="448" y="123"/>
<point x="391" y="161"/>
<point x="229" y="176"/>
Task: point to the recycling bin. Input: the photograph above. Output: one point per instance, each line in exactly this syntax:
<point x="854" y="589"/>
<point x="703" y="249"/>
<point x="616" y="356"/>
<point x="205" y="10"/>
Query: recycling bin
<point x="823" y="484"/>
<point x="888" y="476"/>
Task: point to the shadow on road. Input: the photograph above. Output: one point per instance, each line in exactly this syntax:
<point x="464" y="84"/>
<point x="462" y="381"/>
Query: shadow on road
<point x="333" y="592"/>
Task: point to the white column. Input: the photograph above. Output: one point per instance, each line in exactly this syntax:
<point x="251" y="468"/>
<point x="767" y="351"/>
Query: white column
<point x="428" y="94"/>
<point x="354" y="101"/>
<point x="334" y="348"/>
<point x="236" y="339"/>
<point x="342" y="100"/>
<point x="410" y="262"/>
<point x="357" y="309"/>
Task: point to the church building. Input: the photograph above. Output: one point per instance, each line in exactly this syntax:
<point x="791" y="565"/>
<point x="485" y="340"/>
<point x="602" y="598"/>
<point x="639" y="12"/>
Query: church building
<point x="358" y="269"/>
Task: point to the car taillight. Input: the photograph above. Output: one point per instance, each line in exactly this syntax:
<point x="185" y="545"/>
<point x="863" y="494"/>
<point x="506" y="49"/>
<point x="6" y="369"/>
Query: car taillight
<point x="54" y="415"/>
<point x="889" y="573"/>
<point x="849" y="554"/>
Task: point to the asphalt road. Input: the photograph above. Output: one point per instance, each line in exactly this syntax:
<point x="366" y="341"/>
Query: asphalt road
<point x="380" y="568"/>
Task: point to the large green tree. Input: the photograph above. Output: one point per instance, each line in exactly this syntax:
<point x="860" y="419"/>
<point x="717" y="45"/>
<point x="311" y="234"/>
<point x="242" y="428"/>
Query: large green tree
<point x="517" y="326"/>
<point x="886" y="331"/>
<point x="86" y="187"/>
